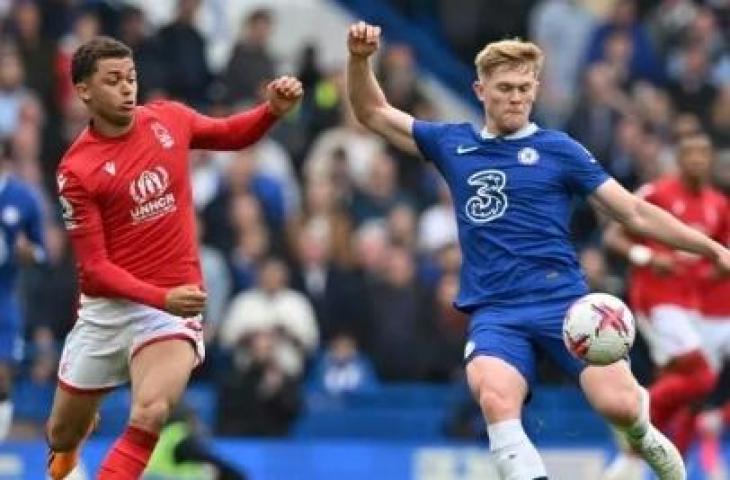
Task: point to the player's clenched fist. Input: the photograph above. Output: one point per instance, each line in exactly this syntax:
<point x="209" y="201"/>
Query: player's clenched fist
<point x="185" y="301"/>
<point x="363" y="39"/>
<point x="283" y="94"/>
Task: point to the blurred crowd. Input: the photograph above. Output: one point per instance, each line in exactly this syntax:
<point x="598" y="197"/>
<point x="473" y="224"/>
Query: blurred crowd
<point x="331" y="259"/>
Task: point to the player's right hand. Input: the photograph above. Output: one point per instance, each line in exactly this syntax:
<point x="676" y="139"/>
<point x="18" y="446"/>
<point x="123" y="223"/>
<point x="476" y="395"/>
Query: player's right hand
<point x="363" y="39"/>
<point x="185" y="301"/>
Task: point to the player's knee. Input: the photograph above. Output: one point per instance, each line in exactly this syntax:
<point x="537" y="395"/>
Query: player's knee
<point x="64" y="436"/>
<point x="150" y="414"/>
<point x="498" y="405"/>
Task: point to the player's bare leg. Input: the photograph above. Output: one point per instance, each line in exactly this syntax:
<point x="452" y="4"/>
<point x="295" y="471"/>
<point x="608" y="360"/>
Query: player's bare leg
<point x="159" y="373"/>
<point x="73" y="417"/>
<point x="614" y="393"/>
<point x="500" y="391"/>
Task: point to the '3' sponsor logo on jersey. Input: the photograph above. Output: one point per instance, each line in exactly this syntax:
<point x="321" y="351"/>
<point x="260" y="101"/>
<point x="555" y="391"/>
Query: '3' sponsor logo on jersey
<point x="490" y="201"/>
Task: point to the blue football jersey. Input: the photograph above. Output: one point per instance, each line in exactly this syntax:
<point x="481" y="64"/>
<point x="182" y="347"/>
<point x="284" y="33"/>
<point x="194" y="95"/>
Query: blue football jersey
<point x="20" y="211"/>
<point x="513" y="198"/>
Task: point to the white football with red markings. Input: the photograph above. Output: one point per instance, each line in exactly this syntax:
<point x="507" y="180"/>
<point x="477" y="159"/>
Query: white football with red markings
<point x="599" y="329"/>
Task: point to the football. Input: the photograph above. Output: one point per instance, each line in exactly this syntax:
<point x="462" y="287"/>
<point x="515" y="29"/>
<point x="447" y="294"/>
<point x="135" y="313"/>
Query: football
<point x="599" y="329"/>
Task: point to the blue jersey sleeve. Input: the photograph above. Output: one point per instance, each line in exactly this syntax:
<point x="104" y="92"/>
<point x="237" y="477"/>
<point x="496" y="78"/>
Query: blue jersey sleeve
<point x="583" y="173"/>
<point x="427" y="135"/>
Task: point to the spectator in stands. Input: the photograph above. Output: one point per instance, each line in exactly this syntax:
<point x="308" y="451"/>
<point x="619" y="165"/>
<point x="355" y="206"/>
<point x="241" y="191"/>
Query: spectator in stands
<point x="342" y="369"/>
<point x="251" y="65"/>
<point x="655" y="109"/>
<point x="134" y="31"/>
<point x="324" y="212"/>
<point x="48" y="291"/>
<point x="400" y="320"/>
<point x="37" y="52"/>
<point x="437" y="225"/>
<point x="561" y="28"/>
<point x="15" y="98"/>
<point x="446" y="345"/>
<point x="241" y="179"/>
<point x="218" y="284"/>
<point x="597" y="112"/>
<point x="252" y="241"/>
<point x="720" y="119"/>
<point x="187" y="76"/>
<point x="85" y="27"/>
<point x="668" y="22"/>
<point x="690" y="86"/>
<point x="259" y="397"/>
<point x="335" y="293"/>
<point x="622" y="160"/>
<point x="380" y="194"/>
<point x="275" y="308"/>
<point x="644" y="63"/>
<point x="399" y="76"/>
<point x="348" y="141"/>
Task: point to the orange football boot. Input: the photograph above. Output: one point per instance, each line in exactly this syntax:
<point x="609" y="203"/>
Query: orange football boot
<point x="60" y="464"/>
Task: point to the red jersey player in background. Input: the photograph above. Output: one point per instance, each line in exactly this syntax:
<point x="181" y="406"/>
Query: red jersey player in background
<point x="126" y="196"/>
<point x="665" y="287"/>
<point x="714" y="328"/>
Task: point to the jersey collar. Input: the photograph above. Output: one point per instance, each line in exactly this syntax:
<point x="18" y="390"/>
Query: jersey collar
<point x="523" y="132"/>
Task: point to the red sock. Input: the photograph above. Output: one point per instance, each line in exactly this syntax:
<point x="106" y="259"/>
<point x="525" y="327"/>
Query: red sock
<point x="684" y="429"/>
<point x="128" y="457"/>
<point x="688" y="379"/>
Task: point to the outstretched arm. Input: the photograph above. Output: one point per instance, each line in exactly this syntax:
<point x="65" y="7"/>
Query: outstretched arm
<point x="368" y="102"/>
<point x="243" y="129"/>
<point x="641" y="218"/>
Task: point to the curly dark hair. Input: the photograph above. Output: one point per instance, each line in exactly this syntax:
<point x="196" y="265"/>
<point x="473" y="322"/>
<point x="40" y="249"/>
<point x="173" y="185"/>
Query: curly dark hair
<point x="83" y="62"/>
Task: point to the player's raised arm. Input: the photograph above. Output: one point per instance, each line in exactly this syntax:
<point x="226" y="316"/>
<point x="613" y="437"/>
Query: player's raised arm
<point x="368" y="102"/>
<point x="646" y="220"/>
<point x="243" y="129"/>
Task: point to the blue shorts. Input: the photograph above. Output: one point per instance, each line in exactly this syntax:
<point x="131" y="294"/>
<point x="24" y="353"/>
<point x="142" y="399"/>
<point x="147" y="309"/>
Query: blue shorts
<point x="515" y="333"/>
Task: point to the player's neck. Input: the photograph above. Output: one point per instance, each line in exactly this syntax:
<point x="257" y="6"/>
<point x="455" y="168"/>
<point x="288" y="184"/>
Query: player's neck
<point x="491" y="130"/>
<point x="692" y="184"/>
<point x="108" y="129"/>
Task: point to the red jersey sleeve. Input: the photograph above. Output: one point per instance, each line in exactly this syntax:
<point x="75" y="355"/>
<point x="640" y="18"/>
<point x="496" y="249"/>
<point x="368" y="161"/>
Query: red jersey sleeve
<point x="229" y="133"/>
<point x="98" y="276"/>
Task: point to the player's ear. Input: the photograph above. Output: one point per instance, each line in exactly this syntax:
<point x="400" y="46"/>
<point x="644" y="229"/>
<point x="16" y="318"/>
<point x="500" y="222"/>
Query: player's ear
<point x="82" y="90"/>
<point x="478" y="87"/>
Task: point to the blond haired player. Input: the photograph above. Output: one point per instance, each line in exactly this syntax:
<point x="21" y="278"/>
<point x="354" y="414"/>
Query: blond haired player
<point x="512" y="183"/>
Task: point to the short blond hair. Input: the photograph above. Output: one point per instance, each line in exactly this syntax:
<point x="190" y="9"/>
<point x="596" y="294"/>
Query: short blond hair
<point x="514" y="53"/>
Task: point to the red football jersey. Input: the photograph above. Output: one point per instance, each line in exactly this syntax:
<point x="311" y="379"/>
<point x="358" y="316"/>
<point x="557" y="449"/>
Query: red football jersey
<point x="715" y="292"/>
<point x="703" y="210"/>
<point x="127" y="201"/>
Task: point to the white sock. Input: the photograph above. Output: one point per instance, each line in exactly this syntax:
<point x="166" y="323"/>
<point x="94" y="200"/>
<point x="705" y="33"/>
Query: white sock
<point x="638" y="430"/>
<point x="6" y="418"/>
<point x="514" y="453"/>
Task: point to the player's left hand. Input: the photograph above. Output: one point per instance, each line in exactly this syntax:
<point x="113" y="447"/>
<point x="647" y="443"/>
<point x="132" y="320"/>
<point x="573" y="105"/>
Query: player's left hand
<point x="283" y="94"/>
<point x="722" y="261"/>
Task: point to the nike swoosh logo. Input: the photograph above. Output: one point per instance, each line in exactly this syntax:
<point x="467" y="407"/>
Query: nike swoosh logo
<point x="461" y="149"/>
